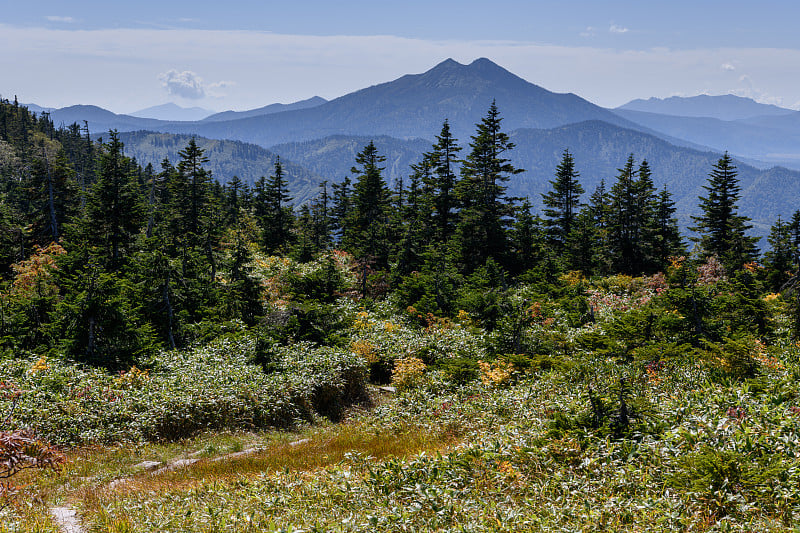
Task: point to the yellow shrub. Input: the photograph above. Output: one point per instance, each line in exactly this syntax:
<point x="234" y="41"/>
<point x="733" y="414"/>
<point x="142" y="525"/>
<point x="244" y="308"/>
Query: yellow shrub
<point x="407" y="372"/>
<point x="362" y="320"/>
<point x="132" y="378"/>
<point x="497" y="374"/>
<point x="39" y="366"/>
<point x="365" y="349"/>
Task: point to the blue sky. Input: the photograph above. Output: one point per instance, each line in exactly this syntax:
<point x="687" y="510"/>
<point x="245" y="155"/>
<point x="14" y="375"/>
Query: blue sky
<point x="244" y="54"/>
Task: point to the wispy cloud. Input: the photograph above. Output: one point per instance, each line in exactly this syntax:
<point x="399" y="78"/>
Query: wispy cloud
<point x="56" y="18"/>
<point x="618" y="29"/>
<point x="217" y="89"/>
<point x="727" y="67"/>
<point x="588" y="32"/>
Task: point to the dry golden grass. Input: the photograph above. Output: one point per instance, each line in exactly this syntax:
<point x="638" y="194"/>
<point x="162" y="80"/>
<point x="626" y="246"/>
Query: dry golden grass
<point x="85" y="480"/>
<point x="326" y="447"/>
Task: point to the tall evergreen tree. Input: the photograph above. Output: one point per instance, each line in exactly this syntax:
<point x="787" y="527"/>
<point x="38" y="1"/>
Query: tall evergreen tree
<point x="368" y="221"/>
<point x="486" y="212"/>
<point x="114" y="206"/>
<point x="341" y="209"/>
<point x="278" y="218"/>
<point x="197" y="179"/>
<point x="780" y="257"/>
<point x="723" y="231"/>
<point x="667" y="241"/>
<point x="562" y="203"/>
<point x="589" y="248"/>
<point x="624" y="219"/>
<point x="439" y="176"/>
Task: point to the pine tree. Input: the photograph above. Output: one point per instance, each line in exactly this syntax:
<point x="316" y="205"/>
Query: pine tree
<point x="723" y="232"/>
<point x="368" y="220"/>
<point x="196" y="196"/>
<point x="623" y="220"/>
<point x="667" y="241"/>
<point x="527" y="242"/>
<point x="278" y="218"/>
<point x="439" y="176"/>
<point x="321" y="219"/>
<point x="780" y="256"/>
<point x="562" y="202"/>
<point x="114" y="206"/>
<point x="485" y="210"/>
<point x="342" y="207"/>
<point x="589" y="249"/>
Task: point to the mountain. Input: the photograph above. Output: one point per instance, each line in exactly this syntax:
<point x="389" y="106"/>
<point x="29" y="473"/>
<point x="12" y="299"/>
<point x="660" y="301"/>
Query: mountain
<point x="226" y="159"/>
<point x="314" y="101"/>
<point x="171" y="111"/>
<point x="101" y="120"/>
<point x="414" y="106"/>
<point x="600" y="149"/>
<point x="763" y="140"/>
<point x="33" y="108"/>
<point x="334" y="156"/>
<point x="723" y="107"/>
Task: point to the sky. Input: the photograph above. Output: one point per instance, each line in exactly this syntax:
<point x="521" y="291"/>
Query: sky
<point x="243" y="54"/>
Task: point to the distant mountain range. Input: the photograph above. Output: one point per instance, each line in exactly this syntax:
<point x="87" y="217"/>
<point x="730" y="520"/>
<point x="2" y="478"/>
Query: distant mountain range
<point x="723" y="107"/>
<point x="266" y="110"/>
<point x="319" y="139"/>
<point x="773" y="140"/>
<point x="173" y="112"/>
<point x="599" y="150"/>
<point x="226" y="159"/>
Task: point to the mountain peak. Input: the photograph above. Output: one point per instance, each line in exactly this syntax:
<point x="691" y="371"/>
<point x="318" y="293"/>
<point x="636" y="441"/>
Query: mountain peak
<point x="450" y="73"/>
<point x="483" y="61"/>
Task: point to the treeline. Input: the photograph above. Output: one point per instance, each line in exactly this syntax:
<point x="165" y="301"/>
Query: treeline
<point x="106" y="261"/>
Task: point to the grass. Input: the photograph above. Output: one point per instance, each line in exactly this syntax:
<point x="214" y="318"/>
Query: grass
<point x="85" y="481"/>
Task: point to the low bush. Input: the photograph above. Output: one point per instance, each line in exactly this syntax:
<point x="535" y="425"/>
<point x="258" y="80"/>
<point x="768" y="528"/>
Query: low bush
<point x="215" y="387"/>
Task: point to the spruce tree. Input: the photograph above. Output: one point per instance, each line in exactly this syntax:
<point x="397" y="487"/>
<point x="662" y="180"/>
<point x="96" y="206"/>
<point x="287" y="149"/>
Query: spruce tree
<point x="277" y="219"/>
<point x="667" y="241"/>
<point x="723" y="231"/>
<point x="562" y="203"/>
<point x="624" y="219"/>
<point x="441" y="181"/>
<point x="114" y="207"/>
<point x="779" y="259"/>
<point x="195" y="199"/>
<point x="486" y="212"/>
<point x="368" y="222"/>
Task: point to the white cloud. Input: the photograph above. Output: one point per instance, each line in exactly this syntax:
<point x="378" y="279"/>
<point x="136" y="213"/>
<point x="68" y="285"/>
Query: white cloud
<point x="56" y="18"/>
<point x="185" y="84"/>
<point x="588" y="32"/>
<point x="727" y="67"/>
<point x="216" y="90"/>
<point x="618" y="29"/>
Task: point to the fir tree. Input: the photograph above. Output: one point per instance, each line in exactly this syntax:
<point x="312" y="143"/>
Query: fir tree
<point x="485" y="210"/>
<point x="439" y="177"/>
<point x="368" y="220"/>
<point x="780" y="257"/>
<point x="723" y="232"/>
<point x="114" y="207"/>
<point x="562" y="202"/>
<point x="277" y="219"/>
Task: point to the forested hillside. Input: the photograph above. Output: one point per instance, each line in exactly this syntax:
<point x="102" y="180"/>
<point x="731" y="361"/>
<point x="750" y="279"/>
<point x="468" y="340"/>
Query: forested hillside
<point x="226" y="159"/>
